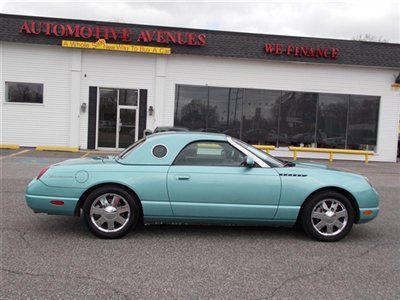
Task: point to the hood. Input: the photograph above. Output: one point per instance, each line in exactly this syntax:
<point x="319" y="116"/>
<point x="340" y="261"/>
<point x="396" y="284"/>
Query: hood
<point x="312" y="166"/>
<point x="316" y="166"/>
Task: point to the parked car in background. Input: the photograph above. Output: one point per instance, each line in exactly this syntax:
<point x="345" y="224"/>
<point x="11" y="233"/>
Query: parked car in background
<point x="169" y="128"/>
<point x="164" y="129"/>
<point x="191" y="177"/>
<point x="398" y="146"/>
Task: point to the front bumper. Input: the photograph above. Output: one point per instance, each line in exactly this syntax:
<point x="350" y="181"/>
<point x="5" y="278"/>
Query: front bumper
<point x="368" y="214"/>
<point x="370" y="209"/>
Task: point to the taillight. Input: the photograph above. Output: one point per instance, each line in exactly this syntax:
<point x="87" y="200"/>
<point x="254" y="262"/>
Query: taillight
<point x="41" y="172"/>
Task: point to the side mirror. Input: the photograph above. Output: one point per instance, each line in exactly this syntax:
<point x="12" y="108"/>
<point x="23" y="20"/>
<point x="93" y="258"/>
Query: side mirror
<point x="248" y="162"/>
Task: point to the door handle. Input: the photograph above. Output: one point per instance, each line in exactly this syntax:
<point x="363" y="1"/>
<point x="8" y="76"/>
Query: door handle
<point x="182" y="177"/>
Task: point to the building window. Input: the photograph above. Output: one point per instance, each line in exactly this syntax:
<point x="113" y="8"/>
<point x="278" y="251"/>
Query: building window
<point x="363" y="122"/>
<point x="224" y="110"/>
<point x="260" y="116"/>
<point x="24" y="92"/>
<point x="191" y="107"/>
<point x="332" y="120"/>
<point x="128" y="97"/>
<point x="297" y="119"/>
<point x="280" y="118"/>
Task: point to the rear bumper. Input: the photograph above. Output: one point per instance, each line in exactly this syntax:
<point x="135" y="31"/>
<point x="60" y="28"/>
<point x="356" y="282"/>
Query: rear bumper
<point x="42" y="204"/>
<point x="39" y="203"/>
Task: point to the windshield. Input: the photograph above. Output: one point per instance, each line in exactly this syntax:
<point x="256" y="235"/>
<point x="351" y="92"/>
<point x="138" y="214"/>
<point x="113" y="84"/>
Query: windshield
<point x="270" y="160"/>
<point x="128" y="150"/>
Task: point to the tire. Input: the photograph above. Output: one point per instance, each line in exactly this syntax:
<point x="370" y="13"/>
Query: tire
<point x="324" y="212"/>
<point x="110" y="212"/>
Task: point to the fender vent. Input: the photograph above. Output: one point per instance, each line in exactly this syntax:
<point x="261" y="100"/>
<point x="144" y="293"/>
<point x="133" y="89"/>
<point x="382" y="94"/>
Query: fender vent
<point x="294" y="175"/>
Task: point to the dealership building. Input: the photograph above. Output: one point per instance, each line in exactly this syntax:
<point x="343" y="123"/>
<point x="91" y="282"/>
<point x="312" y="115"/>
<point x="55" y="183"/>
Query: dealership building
<point x="94" y="85"/>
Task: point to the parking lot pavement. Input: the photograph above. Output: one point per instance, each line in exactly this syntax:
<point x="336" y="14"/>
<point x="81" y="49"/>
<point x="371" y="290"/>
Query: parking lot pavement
<point x="45" y="257"/>
<point x="10" y="152"/>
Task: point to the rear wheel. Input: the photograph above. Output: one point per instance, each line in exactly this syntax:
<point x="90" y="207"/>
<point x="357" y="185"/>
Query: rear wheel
<point x="328" y="216"/>
<point x="110" y="212"/>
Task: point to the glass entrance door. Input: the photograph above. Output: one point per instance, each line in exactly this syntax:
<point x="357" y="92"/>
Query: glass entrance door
<point x="107" y="124"/>
<point x="117" y="117"/>
<point x="126" y="127"/>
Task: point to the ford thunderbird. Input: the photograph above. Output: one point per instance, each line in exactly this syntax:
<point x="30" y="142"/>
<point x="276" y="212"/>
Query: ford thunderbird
<point x="202" y="178"/>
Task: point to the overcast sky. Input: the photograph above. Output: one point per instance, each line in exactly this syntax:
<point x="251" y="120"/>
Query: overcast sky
<point x="341" y="20"/>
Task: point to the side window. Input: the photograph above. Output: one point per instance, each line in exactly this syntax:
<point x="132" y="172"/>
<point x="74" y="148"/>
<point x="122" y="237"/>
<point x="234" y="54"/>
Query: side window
<point x="209" y="154"/>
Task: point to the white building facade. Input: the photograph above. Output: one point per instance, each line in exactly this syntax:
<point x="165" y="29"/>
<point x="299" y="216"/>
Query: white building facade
<point x="96" y="98"/>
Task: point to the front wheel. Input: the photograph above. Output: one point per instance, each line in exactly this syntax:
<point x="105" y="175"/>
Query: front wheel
<point x="110" y="211"/>
<point x="328" y="216"/>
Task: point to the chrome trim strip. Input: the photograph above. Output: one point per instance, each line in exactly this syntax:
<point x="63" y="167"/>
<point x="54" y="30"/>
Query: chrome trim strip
<point x="259" y="161"/>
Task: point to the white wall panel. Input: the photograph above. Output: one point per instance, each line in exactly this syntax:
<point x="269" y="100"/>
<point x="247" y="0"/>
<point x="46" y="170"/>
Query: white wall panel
<point x="36" y="124"/>
<point x="115" y="70"/>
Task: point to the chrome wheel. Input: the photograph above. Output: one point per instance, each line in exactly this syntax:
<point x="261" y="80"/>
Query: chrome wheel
<point x="329" y="217"/>
<point x="110" y="212"/>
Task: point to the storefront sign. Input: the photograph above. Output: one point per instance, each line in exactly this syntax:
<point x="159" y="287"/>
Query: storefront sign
<point x="302" y="51"/>
<point x="101" y="44"/>
<point x="108" y="33"/>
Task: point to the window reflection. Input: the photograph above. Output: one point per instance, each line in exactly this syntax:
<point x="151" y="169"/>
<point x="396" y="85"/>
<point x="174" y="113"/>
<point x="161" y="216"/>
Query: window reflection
<point x="260" y="116"/>
<point x="224" y="111"/>
<point x="128" y="97"/>
<point x="363" y="122"/>
<point x="107" y="118"/>
<point x="191" y="107"/>
<point x="297" y="119"/>
<point x="281" y="118"/>
<point x="24" y="92"/>
<point x="332" y="120"/>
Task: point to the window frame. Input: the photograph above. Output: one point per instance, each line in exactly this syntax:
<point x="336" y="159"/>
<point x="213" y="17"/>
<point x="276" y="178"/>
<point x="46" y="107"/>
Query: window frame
<point x="22" y="103"/>
<point x="258" y="162"/>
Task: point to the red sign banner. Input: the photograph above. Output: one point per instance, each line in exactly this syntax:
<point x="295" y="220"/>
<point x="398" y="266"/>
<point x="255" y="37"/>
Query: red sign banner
<point x="302" y="51"/>
<point x="113" y="34"/>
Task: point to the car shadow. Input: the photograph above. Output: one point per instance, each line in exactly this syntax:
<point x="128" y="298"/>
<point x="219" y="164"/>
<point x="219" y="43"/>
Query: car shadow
<point x="63" y="226"/>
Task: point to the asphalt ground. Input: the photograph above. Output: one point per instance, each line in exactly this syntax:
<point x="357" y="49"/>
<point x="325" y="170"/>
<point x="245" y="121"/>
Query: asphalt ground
<point x="48" y="257"/>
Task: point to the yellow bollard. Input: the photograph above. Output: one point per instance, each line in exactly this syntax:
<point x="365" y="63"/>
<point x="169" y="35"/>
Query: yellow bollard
<point x="330" y="156"/>
<point x="294" y="155"/>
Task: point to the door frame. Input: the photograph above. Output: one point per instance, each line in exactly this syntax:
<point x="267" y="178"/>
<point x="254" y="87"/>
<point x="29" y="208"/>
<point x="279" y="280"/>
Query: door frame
<point x="136" y="107"/>
<point x="119" y="107"/>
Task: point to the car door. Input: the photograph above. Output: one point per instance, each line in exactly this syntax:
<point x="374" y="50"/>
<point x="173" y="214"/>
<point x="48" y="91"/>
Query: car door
<point x="207" y="180"/>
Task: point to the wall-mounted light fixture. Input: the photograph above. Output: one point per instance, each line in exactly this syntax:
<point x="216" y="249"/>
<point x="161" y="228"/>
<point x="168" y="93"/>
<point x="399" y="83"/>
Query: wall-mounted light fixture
<point x="151" y="110"/>
<point x="83" y="106"/>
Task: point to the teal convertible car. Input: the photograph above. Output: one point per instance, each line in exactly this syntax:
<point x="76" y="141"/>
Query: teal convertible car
<point x="188" y="177"/>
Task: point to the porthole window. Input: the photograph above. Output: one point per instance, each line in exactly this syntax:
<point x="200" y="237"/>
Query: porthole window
<point x="159" y="151"/>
